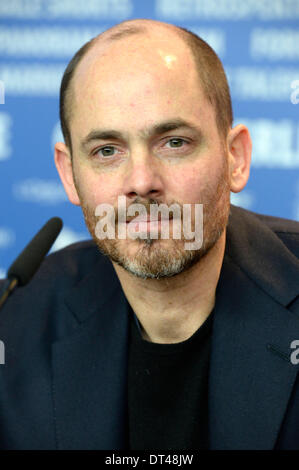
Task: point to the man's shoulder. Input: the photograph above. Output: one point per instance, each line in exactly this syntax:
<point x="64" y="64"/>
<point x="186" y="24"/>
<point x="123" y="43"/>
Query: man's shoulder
<point x="58" y="272"/>
<point x="287" y="230"/>
<point x="74" y="259"/>
<point x="42" y="300"/>
<point x="67" y="265"/>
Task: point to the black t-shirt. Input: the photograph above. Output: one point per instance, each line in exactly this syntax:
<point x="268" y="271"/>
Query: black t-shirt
<point x="168" y="391"/>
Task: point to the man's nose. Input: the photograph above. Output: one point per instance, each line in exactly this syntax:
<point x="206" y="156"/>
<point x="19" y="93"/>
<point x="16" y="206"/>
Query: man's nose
<point x="143" y="178"/>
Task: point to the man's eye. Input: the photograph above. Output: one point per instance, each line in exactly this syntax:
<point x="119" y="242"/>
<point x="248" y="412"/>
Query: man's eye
<point x="104" y="149"/>
<point x="177" y="141"/>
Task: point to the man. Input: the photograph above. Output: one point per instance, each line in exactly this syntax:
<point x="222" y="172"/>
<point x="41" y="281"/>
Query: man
<point x="154" y="346"/>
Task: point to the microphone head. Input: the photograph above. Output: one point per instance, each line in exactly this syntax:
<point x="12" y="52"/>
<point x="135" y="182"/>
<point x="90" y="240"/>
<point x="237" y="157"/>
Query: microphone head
<point x="28" y="262"/>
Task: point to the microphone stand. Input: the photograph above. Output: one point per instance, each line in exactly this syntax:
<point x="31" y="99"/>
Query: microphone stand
<point x="9" y="286"/>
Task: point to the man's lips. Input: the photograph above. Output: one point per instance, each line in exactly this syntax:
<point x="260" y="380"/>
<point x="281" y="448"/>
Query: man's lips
<point x="147" y="219"/>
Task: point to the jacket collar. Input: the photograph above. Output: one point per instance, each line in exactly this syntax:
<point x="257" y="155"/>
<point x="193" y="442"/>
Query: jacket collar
<point x="262" y="255"/>
<point x="251" y="375"/>
<point x="89" y="371"/>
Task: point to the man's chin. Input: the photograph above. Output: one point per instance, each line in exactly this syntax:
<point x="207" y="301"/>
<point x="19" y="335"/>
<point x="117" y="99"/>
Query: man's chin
<point x="150" y="258"/>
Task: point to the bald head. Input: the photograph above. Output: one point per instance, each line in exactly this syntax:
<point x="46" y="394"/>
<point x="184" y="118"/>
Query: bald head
<point x="157" y="49"/>
<point x="152" y="48"/>
<point x="136" y="27"/>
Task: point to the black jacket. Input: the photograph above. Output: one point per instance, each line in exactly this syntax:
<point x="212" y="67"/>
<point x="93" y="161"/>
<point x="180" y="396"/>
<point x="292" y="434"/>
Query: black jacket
<point x="64" y="381"/>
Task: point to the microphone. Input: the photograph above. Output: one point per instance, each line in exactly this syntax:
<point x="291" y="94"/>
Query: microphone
<point x="28" y="262"/>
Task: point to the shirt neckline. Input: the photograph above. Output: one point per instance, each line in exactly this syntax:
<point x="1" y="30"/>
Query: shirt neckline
<point x="169" y="348"/>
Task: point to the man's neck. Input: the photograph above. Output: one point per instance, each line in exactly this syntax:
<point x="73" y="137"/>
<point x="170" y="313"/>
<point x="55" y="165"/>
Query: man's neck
<point x="171" y="310"/>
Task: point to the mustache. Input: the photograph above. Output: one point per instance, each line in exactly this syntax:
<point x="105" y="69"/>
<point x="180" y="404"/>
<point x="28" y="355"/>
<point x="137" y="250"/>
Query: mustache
<point x="147" y="205"/>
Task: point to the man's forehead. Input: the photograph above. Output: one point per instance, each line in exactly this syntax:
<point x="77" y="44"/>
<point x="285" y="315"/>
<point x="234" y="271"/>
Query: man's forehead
<point x="112" y="49"/>
<point x="147" y="87"/>
<point x="143" y="67"/>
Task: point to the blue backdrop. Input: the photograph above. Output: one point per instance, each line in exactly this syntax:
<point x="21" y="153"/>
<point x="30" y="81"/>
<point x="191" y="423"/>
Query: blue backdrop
<point x="257" y="41"/>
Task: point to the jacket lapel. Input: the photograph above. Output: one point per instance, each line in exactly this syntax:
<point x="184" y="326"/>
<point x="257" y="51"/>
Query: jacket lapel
<point x="251" y="375"/>
<point x="90" y="367"/>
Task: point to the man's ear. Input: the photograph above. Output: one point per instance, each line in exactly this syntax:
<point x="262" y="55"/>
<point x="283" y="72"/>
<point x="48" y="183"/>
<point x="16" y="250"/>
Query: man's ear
<point x="63" y="164"/>
<point x="239" y="151"/>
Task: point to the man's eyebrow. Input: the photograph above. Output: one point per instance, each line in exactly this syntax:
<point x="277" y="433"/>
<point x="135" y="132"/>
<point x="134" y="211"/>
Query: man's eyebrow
<point x="157" y="129"/>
